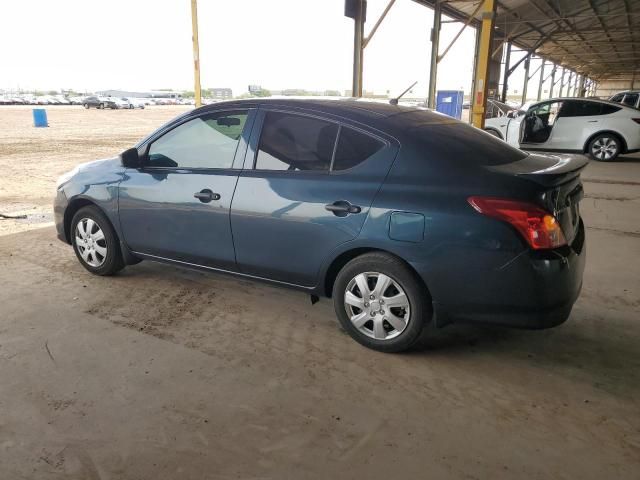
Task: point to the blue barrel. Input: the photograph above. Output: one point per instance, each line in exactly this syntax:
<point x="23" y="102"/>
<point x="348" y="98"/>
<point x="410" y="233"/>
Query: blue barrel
<point x="40" y="117"/>
<point x="449" y="102"/>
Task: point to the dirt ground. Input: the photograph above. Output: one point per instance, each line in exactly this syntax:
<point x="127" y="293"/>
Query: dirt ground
<point x="165" y="373"/>
<point x="34" y="158"/>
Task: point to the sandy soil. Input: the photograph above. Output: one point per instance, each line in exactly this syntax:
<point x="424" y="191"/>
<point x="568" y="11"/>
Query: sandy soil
<point x="33" y="158"/>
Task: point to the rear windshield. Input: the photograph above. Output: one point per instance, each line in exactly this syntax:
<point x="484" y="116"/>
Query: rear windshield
<point x="460" y="143"/>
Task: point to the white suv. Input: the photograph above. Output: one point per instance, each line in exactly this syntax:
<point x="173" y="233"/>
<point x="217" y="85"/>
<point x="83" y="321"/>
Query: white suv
<point x="579" y="125"/>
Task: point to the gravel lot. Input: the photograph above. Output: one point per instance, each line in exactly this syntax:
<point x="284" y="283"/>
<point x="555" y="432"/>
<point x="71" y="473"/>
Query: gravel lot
<point x="165" y="373"/>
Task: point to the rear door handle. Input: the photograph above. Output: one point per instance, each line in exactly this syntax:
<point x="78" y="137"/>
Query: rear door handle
<point x="342" y="208"/>
<point x="206" y="195"/>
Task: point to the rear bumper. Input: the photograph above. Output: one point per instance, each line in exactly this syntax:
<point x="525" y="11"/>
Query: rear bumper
<point x="534" y="290"/>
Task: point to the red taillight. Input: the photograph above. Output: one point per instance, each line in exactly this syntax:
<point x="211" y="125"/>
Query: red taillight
<point x="539" y="228"/>
<point x="637" y="120"/>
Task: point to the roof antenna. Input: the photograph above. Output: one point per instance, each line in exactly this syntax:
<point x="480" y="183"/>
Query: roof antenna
<point x="394" y="101"/>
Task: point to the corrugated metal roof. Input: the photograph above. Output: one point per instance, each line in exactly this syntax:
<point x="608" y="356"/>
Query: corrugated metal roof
<point x="596" y="38"/>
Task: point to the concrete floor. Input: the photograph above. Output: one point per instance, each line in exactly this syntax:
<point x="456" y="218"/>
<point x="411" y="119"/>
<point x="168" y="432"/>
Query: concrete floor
<point x="164" y="373"/>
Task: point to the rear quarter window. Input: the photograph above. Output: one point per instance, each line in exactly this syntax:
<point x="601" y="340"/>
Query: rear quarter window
<point x="459" y="143"/>
<point x="607" y="109"/>
<point x="354" y="148"/>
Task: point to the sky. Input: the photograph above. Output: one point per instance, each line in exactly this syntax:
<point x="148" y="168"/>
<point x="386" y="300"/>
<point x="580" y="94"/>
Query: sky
<point x="278" y="44"/>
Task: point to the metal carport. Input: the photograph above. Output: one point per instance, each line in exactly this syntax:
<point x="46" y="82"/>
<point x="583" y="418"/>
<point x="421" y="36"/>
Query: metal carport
<point x="588" y="41"/>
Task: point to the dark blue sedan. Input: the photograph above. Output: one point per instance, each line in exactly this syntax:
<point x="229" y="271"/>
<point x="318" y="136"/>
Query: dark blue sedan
<point x="401" y="215"/>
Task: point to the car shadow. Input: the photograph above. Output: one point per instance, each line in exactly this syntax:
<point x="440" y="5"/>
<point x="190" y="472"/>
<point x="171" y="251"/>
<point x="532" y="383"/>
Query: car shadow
<point x="598" y="351"/>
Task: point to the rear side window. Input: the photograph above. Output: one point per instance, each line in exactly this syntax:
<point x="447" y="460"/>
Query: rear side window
<point x="209" y="141"/>
<point x="617" y="98"/>
<point x="607" y="109"/>
<point x="354" y="148"/>
<point x="631" y="99"/>
<point x="295" y="143"/>
<point x="572" y="108"/>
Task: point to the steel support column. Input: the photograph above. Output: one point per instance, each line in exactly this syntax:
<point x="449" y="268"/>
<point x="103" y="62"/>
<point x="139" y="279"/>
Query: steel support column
<point x="561" y="83"/>
<point x="505" y="77"/>
<point x="581" y="90"/>
<point x="541" y="81"/>
<point x="484" y="56"/>
<point x="435" y="44"/>
<point x="197" y="91"/>
<point x="553" y="81"/>
<point x="358" y="36"/>
<point x="525" y="86"/>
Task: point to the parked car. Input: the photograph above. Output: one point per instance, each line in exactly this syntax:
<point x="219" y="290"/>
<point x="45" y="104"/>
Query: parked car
<point x="401" y="215"/>
<point x="600" y="128"/>
<point x="99" y="102"/>
<point x="630" y="98"/>
<point x="119" y="103"/>
<point x="133" y="102"/>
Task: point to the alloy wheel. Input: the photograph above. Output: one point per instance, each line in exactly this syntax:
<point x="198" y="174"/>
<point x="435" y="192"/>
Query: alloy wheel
<point x="377" y="305"/>
<point x="90" y="242"/>
<point x="604" y="148"/>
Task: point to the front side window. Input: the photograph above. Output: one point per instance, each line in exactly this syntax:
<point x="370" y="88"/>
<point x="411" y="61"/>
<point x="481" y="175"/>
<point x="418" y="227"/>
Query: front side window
<point x="295" y="143"/>
<point x="617" y="98"/>
<point x="546" y="113"/>
<point x="354" y="148"/>
<point x="209" y="141"/>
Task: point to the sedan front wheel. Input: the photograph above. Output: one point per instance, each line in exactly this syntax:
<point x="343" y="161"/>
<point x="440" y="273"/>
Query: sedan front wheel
<point x="95" y="242"/>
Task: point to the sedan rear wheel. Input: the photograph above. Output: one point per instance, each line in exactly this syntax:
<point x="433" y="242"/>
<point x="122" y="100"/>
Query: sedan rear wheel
<point x="377" y="305"/>
<point x="380" y="302"/>
<point x="605" y="148"/>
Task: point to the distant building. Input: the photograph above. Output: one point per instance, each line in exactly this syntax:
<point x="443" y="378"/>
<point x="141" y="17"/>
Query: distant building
<point x="220" y="93"/>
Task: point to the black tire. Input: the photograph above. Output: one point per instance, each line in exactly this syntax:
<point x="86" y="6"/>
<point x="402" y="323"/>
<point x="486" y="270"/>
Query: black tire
<point x="112" y="262"/>
<point x="605" y="147"/>
<point x="399" y="272"/>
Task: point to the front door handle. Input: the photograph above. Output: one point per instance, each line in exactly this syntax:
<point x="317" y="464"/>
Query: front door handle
<point x="342" y="208"/>
<point x="206" y="195"/>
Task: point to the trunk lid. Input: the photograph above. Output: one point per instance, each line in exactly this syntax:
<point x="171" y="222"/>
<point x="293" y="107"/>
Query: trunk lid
<point x="559" y="177"/>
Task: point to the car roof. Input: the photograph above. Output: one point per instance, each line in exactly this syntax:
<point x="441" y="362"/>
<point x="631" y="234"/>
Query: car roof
<point x="581" y="99"/>
<point x="356" y="109"/>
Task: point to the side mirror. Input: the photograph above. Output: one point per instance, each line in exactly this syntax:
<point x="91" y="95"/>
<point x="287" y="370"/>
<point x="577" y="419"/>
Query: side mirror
<point x="130" y="158"/>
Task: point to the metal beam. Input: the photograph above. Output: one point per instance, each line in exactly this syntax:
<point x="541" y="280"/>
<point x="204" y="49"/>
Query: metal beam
<point x="527" y="63"/>
<point x="377" y="24"/>
<point x="505" y="77"/>
<point x="484" y="57"/>
<point x="358" y="36"/>
<point x="435" y="44"/>
<point x="197" y="91"/>
<point x="541" y="81"/>
<point x="471" y="17"/>
<point x="553" y="82"/>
